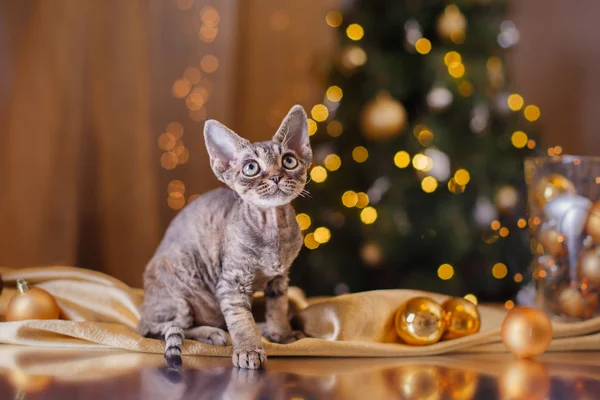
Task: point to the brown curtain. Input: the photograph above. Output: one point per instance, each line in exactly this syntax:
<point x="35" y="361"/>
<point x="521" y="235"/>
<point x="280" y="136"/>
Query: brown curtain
<point x="85" y="92"/>
<point x="77" y="169"/>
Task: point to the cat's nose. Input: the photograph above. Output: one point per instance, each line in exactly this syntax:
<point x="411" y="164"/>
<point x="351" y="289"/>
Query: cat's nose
<point x="275" y="178"/>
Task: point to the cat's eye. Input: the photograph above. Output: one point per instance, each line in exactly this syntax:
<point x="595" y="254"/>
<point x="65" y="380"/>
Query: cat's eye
<point x="251" y="169"/>
<point x="290" y="162"/>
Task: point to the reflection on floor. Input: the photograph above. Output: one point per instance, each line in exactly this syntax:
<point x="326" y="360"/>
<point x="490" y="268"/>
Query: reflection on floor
<point x="35" y="373"/>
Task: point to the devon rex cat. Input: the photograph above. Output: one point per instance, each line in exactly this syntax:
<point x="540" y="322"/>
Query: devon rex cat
<point x="229" y="243"/>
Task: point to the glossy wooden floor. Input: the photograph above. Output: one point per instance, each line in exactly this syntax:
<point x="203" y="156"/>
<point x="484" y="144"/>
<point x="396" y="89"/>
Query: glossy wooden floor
<point x="34" y="373"/>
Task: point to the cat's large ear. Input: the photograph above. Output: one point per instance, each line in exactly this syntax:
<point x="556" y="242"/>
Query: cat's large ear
<point x="222" y="144"/>
<point x="293" y="133"/>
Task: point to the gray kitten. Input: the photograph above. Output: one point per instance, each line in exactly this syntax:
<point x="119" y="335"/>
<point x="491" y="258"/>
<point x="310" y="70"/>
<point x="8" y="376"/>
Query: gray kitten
<point x="227" y="244"/>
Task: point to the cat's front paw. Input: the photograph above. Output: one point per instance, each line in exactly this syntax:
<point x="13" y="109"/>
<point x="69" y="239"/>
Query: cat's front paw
<point x="252" y="359"/>
<point x="285" y="337"/>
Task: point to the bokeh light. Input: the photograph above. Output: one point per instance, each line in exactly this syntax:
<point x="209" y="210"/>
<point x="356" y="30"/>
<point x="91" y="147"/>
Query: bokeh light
<point x="499" y="271"/>
<point x="515" y="102"/>
<point x="335" y="128"/>
<point x="334" y="18"/>
<point x="350" y="199"/>
<point x="333" y="162"/>
<point x="368" y="215"/>
<point x="429" y="184"/>
<point x="318" y="174"/>
<point x="519" y="139"/>
<point x="360" y="154"/>
<point x="445" y="272"/>
<point x="322" y="235"/>
<point x="423" y="46"/>
<point x="402" y="159"/>
<point x="334" y="94"/>
<point x="355" y="32"/>
<point x="319" y="113"/>
<point x="303" y="220"/>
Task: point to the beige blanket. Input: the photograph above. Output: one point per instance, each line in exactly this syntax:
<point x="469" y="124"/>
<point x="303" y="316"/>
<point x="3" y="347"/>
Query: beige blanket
<point x="99" y="311"/>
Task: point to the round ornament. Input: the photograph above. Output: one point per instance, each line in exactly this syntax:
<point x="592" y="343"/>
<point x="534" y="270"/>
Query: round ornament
<point x="383" y="117"/>
<point x="571" y="302"/>
<point x="524" y="380"/>
<point x="551" y="186"/>
<point x="592" y="226"/>
<point x="31" y="303"/>
<point x="526" y="332"/>
<point x="507" y="198"/>
<point x="589" y="268"/>
<point x="552" y="241"/>
<point x="370" y="253"/>
<point x="420" y="321"/>
<point x="452" y="24"/>
<point x="462" y="318"/>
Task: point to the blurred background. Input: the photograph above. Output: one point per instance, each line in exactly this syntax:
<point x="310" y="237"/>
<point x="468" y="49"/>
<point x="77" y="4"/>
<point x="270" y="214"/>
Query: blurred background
<point x="421" y="115"/>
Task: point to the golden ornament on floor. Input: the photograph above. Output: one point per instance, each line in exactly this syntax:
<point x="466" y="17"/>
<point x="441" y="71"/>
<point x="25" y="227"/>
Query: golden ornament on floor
<point x="382" y="117"/>
<point x="551" y="186"/>
<point x="592" y="226"/>
<point x="420" y="321"/>
<point x="589" y="268"/>
<point x="462" y="318"/>
<point x="526" y="332"/>
<point x="31" y="303"/>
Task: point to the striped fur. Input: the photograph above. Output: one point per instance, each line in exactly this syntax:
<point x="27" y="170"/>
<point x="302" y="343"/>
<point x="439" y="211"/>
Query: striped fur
<point x="229" y="243"/>
<point x="173" y="343"/>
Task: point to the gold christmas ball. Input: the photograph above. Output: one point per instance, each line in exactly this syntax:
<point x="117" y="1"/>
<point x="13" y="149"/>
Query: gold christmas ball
<point x="592" y="226"/>
<point x="462" y="318"/>
<point x="552" y="241"/>
<point x="383" y="117"/>
<point x="28" y="383"/>
<point x="460" y="384"/>
<point x="452" y="24"/>
<point x="507" y="198"/>
<point x="420" y="321"/>
<point x="524" y="380"/>
<point x="551" y="186"/>
<point x="589" y="268"/>
<point x="571" y="302"/>
<point x="419" y="382"/>
<point x="31" y="303"/>
<point x="526" y="332"/>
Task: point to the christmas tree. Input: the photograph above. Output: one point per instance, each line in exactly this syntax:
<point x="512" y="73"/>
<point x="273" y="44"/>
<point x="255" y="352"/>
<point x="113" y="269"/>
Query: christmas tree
<point x="418" y="154"/>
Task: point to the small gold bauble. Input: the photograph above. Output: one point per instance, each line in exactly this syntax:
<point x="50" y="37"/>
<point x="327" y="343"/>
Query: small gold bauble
<point x="31" y="303"/>
<point x="452" y="24"/>
<point x="420" y="321"/>
<point x="506" y="199"/>
<point x="382" y="117"/>
<point x="462" y="318"/>
<point x="552" y="241"/>
<point x="551" y="186"/>
<point x="460" y="384"/>
<point x="571" y="302"/>
<point x="524" y="380"/>
<point x="589" y="268"/>
<point x="419" y="382"/>
<point x="592" y="226"/>
<point x="526" y="332"/>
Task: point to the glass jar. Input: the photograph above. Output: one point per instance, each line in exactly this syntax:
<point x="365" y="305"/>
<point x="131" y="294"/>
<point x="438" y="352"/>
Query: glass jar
<point x="564" y="219"/>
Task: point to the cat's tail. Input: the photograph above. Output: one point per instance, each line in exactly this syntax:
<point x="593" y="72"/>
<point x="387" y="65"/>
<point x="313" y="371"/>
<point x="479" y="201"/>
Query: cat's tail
<point x="173" y="343"/>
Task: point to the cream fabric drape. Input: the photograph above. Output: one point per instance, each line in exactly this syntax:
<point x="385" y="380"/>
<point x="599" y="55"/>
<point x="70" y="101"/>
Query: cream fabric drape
<point x="101" y="312"/>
